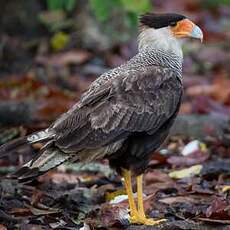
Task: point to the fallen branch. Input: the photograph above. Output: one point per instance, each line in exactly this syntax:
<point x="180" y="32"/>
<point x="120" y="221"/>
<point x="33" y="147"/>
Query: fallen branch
<point x="203" y="127"/>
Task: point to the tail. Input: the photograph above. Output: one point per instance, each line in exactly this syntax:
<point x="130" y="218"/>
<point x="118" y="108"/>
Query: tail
<point x="50" y="158"/>
<point x="22" y="141"/>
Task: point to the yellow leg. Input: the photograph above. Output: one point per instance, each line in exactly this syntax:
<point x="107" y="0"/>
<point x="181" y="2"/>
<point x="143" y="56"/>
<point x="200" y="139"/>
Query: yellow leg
<point x="140" y="202"/>
<point x="137" y="216"/>
<point x="129" y="190"/>
<point x="141" y="212"/>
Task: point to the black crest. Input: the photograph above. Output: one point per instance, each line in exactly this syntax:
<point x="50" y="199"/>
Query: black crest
<point x="160" y="20"/>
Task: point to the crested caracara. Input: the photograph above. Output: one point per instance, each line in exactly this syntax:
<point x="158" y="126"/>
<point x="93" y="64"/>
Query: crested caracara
<point x="126" y="113"/>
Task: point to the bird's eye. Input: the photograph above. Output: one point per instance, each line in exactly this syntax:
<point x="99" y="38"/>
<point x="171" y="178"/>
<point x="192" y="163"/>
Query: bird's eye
<point x="173" y="23"/>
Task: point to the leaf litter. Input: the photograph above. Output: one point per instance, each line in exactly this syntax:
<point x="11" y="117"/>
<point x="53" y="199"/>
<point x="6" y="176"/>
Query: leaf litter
<point x="187" y="181"/>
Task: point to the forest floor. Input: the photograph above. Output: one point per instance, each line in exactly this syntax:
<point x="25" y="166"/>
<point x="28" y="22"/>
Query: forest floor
<point x="188" y="179"/>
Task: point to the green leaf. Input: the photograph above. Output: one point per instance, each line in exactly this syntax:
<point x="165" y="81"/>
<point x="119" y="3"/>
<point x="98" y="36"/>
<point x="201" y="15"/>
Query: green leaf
<point x="131" y="20"/>
<point x="61" y="4"/>
<point x="102" y="8"/>
<point x="70" y="4"/>
<point x="55" y="4"/>
<point x="59" y="40"/>
<point x="137" y="6"/>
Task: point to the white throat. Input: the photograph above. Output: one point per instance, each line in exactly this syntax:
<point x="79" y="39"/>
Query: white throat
<point x="160" y="39"/>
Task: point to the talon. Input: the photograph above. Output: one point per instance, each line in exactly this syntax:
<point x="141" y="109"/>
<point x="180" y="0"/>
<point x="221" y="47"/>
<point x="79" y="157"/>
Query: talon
<point x="145" y="221"/>
<point x="137" y="215"/>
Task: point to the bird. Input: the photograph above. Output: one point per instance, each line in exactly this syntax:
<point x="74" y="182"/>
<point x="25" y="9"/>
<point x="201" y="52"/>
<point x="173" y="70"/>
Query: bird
<point x="125" y="114"/>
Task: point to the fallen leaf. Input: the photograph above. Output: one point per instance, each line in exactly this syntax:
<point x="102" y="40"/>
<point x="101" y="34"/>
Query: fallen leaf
<point x="75" y="57"/>
<point x="188" y="172"/>
<point x="59" y="40"/>
<point x="156" y="176"/>
<point x="178" y="199"/>
<point x="113" y="196"/>
<point x="192" y="147"/>
<point x="59" y="178"/>
<point x="219" y="90"/>
<point x="118" y="199"/>
<point x="158" y="158"/>
<point x="2" y="227"/>
<point x="85" y="227"/>
<point x="218" y="207"/>
<point x="226" y="188"/>
<point x="153" y="188"/>
<point x="215" y="168"/>
<point x="108" y="216"/>
<point x="21" y="212"/>
<point x="192" y="159"/>
<point x="58" y="224"/>
<point x="38" y="212"/>
<point x="204" y="104"/>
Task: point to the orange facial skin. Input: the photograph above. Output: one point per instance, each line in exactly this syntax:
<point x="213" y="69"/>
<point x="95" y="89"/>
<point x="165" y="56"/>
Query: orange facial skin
<point x="183" y="28"/>
<point x="186" y="28"/>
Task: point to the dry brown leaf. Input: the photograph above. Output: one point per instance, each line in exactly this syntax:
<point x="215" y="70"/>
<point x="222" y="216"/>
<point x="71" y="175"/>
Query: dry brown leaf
<point x="59" y="178"/>
<point x="156" y="176"/>
<point x="38" y="212"/>
<point x="178" y="199"/>
<point x="219" y="90"/>
<point x="218" y="207"/>
<point x="21" y="212"/>
<point x="2" y="227"/>
<point x="192" y="159"/>
<point x="65" y="58"/>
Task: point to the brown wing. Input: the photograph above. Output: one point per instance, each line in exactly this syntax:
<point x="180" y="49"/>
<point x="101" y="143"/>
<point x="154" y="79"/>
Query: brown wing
<point x="137" y="101"/>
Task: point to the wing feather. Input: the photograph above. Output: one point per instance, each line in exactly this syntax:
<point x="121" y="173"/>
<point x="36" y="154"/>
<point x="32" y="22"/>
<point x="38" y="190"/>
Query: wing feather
<point x="137" y="101"/>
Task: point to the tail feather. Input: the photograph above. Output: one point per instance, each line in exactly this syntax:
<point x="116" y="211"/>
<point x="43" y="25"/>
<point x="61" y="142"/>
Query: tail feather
<point x="26" y="174"/>
<point x="22" y="141"/>
<point x="49" y="159"/>
<point x="14" y="144"/>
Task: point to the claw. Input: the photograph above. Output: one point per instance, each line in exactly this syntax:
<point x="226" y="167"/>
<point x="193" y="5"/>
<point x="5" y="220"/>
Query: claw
<point x="137" y="214"/>
<point x="146" y="221"/>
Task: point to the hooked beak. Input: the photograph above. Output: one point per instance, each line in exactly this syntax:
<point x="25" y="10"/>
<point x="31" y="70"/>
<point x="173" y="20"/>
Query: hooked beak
<point x="187" y="29"/>
<point x="197" y="33"/>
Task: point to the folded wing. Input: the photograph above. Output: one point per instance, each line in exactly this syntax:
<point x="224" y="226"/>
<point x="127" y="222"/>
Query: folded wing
<point x="136" y="101"/>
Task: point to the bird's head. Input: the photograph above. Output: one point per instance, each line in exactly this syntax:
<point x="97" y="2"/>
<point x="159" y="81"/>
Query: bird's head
<point x="165" y="31"/>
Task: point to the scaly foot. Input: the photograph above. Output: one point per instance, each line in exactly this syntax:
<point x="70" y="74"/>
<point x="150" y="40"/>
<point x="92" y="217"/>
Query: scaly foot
<point x="138" y="219"/>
